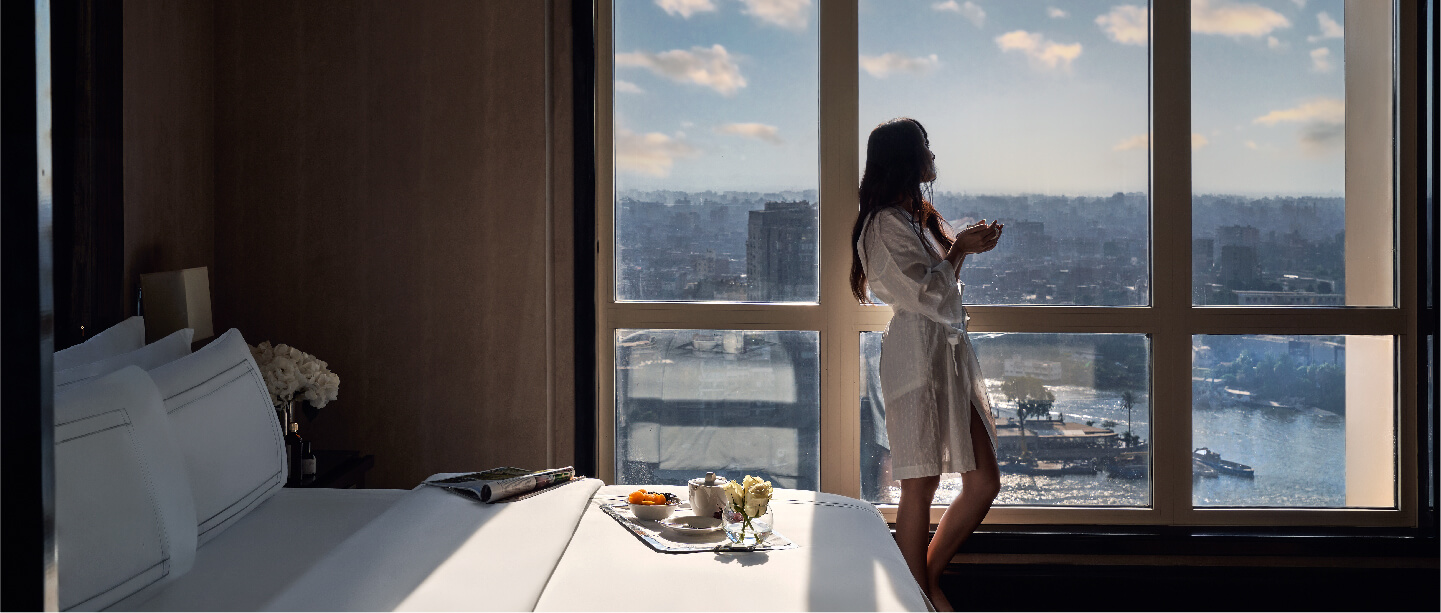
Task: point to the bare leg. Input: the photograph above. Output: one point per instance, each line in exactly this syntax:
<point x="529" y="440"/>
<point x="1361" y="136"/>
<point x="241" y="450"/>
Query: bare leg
<point x="913" y="524"/>
<point x="978" y="490"/>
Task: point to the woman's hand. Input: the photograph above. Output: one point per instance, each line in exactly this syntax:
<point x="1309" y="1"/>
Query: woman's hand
<point x="979" y="238"/>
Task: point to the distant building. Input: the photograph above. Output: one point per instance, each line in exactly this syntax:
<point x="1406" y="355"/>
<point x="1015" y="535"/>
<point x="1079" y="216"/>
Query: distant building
<point x="1238" y="236"/>
<point x="1203" y="253"/>
<point x="1239" y="267"/>
<point x="781" y="253"/>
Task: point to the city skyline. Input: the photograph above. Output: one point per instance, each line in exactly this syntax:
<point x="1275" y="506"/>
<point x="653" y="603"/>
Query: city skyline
<point x="1020" y="97"/>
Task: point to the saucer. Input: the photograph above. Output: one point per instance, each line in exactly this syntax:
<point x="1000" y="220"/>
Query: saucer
<point x="693" y="524"/>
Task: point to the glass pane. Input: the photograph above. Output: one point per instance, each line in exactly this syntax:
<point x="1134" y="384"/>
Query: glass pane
<point x="1037" y="116"/>
<point x="1091" y="448"/>
<point x="715" y="152"/>
<point x="1291" y="114"/>
<point x="1293" y="421"/>
<point x="730" y="401"/>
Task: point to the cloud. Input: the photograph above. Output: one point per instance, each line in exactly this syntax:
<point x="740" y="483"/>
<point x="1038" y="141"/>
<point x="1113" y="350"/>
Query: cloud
<point x="649" y="154"/>
<point x="882" y="66"/>
<point x="711" y="67"/>
<point x="791" y="14"/>
<point x="1321" y="60"/>
<point x="1250" y="144"/>
<point x="969" y="10"/>
<point x="1234" y="19"/>
<point x="1300" y="4"/>
<point x="1319" y="138"/>
<point x="685" y="8"/>
<point x="1329" y="28"/>
<point x="1126" y="24"/>
<point x="1044" y="54"/>
<point x="1055" y="13"/>
<point x="1323" y="123"/>
<point x="1275" y="43"/>
<point x="758" y="131"/>
<point x="1322" y="109"/>
<point x="1139" y="141"/>
<point x="1142" y="141"/>
<point x="626" y="87"/>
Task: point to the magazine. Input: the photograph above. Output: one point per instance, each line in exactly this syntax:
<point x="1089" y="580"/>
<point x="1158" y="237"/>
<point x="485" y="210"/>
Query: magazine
<point x="498" y="484"/>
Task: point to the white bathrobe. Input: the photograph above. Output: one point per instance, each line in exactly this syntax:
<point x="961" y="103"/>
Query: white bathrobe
<point x="929" y="373"/>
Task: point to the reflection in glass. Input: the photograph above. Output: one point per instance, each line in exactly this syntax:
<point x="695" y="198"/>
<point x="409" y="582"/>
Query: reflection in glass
<point x="1086" y="434"/>
<point x="729" y="401"/>
<point x="1293" y="421"/>
<point x="715" y="155"/>
<point x="1038" y="117"/>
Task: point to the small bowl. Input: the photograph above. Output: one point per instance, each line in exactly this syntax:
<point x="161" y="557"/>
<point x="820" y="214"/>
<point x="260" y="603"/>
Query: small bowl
<point x="653" y="512"/>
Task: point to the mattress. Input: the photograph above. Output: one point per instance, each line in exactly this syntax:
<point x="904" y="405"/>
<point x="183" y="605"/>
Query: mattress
<point x="436" y="551"/>
<point x="259" y="556"/>
<point x="847" y="561"/>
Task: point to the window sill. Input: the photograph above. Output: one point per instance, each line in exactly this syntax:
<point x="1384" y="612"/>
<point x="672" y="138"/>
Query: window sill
<point x="1191" y="545"/>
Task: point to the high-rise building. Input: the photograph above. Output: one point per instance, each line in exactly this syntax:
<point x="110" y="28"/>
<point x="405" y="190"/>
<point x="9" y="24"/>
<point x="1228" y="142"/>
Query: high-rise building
<point x="781" y="253"/>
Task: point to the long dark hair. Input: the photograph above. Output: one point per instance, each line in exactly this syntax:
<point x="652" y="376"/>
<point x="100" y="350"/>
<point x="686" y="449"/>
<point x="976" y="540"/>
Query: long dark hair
<point x="897" y="157"/>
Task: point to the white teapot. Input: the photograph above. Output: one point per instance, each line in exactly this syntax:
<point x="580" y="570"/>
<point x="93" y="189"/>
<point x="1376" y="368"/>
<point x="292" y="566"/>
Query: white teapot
<point x="708" y="495"/>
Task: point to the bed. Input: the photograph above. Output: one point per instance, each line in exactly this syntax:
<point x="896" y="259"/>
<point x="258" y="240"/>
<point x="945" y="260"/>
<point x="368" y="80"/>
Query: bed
<point x="169" y="497"/>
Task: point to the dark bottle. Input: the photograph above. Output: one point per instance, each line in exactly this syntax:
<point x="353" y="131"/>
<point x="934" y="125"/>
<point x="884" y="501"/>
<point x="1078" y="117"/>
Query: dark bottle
<point x="307" y="469"/>
<point x="294" y="452"/>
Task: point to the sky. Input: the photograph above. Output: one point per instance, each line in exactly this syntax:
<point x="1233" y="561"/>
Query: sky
<point x="1019" y="96"/>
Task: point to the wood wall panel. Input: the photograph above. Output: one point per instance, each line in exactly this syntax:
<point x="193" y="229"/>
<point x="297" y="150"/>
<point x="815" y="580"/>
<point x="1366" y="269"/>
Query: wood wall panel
<point x="168" y="125"/>
<point x="381" y="202"/>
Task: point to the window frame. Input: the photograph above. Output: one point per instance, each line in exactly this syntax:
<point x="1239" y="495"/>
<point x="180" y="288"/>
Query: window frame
<point x="1169" y="321"/>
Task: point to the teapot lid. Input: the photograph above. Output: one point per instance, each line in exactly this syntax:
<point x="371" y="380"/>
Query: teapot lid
<point x="709" y="480"/>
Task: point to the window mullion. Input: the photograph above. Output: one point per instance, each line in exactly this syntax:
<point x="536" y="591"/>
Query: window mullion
<point x="1171" y="257"/>
<point x="839" y="166"/>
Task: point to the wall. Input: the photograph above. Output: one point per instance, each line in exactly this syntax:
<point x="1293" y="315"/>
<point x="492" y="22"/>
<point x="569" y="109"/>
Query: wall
<point x="168" y="125"/>
<point x="382" y="201"/>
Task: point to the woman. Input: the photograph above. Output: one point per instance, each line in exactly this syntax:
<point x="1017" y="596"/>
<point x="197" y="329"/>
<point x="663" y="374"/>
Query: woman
<point x="938" y="417"/>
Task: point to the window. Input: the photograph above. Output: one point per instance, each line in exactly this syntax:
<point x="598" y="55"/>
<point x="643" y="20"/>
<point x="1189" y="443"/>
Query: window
<point x="1199" y="200"/>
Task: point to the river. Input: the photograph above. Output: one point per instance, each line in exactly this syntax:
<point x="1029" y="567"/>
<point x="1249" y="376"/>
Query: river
<point x="1299" y="457"/>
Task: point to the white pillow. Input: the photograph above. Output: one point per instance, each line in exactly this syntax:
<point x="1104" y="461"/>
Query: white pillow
<point x="124" y="514"/>
<point x="123" y="337"/>
<point x="220" y="410"/>
<point x="163" y="351"/>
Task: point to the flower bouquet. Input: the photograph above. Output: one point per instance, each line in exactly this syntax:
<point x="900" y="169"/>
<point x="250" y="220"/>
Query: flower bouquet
<point x="293" y="375"/>
<point x="748" y="518"/>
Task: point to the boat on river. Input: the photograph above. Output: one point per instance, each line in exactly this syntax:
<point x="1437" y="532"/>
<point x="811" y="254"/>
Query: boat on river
<point x="1129" y="465"/>
<point x="1200" y="469"/>
<point x="1044" y="467"/>
<point x="1225" y="467"/>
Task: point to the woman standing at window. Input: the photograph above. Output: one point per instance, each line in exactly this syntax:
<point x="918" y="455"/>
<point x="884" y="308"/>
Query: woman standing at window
<point x="938" y="416"/>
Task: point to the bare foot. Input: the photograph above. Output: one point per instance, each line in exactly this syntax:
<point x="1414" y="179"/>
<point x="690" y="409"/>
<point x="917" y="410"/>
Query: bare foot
<point x="938" y="598"/>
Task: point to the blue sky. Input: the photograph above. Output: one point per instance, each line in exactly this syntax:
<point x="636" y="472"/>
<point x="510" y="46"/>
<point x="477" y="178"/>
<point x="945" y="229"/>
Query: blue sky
<point x="1018" y="95"/>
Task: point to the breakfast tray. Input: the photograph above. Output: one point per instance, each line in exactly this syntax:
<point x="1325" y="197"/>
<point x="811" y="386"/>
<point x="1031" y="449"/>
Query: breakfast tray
<point x="664" y="540"/>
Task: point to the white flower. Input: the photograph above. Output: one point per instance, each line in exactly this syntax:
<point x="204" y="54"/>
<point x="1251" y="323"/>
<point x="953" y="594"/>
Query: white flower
<point x="736" y="493"/>
<point x="290" y="373"/>
<point x="757" y="496"/>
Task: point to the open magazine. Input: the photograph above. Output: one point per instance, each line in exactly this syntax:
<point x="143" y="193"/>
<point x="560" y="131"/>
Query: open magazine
<point x="498" y="484"/>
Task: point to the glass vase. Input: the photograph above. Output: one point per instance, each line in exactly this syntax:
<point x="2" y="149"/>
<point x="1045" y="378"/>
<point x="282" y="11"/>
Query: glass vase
<point x="748" y="531"/>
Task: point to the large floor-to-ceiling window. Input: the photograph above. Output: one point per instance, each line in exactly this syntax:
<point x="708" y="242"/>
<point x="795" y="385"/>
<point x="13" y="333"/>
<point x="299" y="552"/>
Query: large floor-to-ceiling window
<point x="1202" y="310"/>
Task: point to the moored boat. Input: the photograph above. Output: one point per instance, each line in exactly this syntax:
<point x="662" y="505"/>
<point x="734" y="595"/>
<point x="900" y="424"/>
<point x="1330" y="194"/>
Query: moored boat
<point x="1225" y="467"/>
<point x="1043" y="467"/>
<point x="1200" y="469"/>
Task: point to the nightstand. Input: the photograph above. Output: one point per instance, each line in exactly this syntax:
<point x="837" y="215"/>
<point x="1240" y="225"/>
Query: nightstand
<point x="337" y="469"/>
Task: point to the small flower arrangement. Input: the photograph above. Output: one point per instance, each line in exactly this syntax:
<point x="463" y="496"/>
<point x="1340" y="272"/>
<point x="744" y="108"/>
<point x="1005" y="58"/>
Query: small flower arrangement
<point x="749" y="498"/>
<point x="292" y="374"/>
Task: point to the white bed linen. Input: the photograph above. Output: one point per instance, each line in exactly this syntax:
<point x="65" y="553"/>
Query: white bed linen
<point x="847" y="561"/>
<point x="436" y="551"/>
<point x="249" y="564"/>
